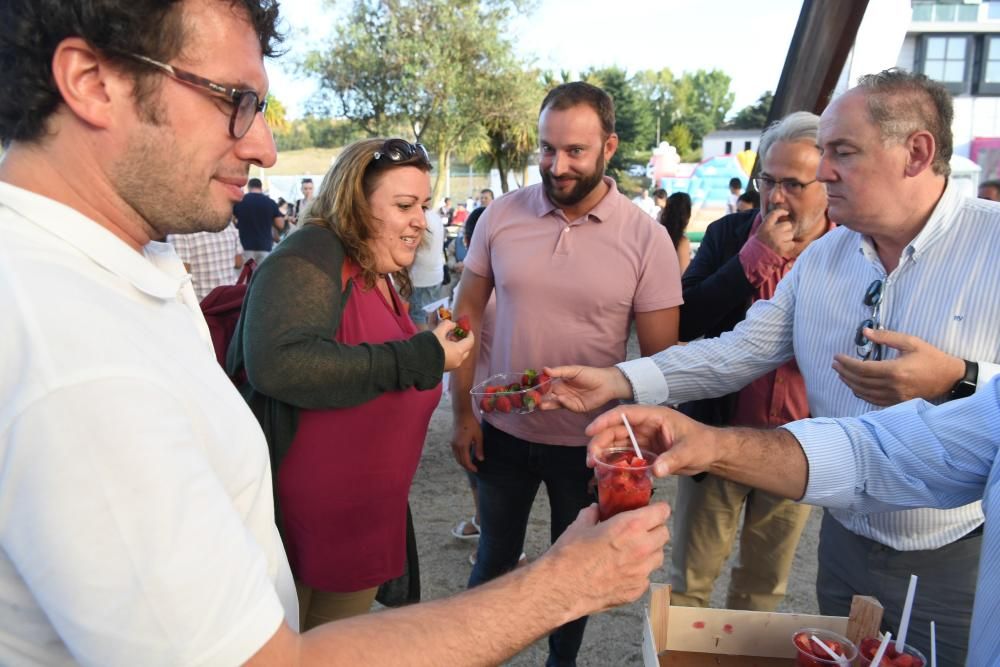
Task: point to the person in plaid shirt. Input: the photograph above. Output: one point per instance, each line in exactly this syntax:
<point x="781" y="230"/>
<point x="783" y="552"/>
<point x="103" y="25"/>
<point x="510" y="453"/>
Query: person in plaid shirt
<point x="212" y="258"/>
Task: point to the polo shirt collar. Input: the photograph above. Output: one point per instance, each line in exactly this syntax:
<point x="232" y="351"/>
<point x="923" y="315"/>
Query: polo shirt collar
<point x="156" y="271"/>
<point x="604" y="210"/>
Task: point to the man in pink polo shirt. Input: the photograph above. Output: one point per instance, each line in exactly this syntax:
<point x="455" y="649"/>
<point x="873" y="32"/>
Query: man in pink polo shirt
<point x="573" y="263"/>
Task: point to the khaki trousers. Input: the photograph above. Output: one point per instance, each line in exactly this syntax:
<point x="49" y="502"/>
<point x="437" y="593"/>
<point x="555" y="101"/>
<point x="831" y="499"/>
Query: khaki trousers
<point x="706" y="517"/>
<point x="318" y="607"/>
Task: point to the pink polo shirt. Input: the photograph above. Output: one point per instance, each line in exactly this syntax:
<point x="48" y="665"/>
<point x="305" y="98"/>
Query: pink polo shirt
<point x="566" y="291"/>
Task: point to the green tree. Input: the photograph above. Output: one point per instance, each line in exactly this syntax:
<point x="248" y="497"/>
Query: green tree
<point x="679" y="136"/>
<point x="416" y="62"/>
<point x="700" y="102"/>
<point x="634" y="122"/>
<point x="754" y="116"/>
<point x="655" y="87"/>
<point x="509" y="102"/>
<point x="275" y="113"/>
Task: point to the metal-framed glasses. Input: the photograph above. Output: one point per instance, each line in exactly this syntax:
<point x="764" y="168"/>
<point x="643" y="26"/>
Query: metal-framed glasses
<point x="400" y="150"/>
<point x="792" y="187"/>
<point x="866" y="349"/>
<point x="246" y="103"/>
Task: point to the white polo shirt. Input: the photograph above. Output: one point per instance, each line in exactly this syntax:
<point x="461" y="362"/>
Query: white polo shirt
<point x="136" y="515"/>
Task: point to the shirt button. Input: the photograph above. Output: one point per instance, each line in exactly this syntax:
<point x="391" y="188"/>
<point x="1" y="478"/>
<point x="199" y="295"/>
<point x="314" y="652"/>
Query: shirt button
<point x="565" y="229"/>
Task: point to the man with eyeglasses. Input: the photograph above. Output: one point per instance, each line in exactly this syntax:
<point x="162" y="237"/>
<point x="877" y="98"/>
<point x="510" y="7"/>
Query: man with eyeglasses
<point x="136" y="511"/>
<point x="741" y="260"/>
<point x="916" y="260"/>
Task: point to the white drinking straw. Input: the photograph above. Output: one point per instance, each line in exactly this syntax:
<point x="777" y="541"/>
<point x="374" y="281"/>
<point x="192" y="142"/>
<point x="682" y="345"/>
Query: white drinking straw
<point x="881" y="649"/>
<point x="933" y="647"/>
<point x="904" y="624"/>
<point x="829" y="651"/>
<point x="631" y="435"/>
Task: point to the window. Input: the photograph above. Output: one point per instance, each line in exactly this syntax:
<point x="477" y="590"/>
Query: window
<point x="945" y="59"/>
<point x="945" y="12"/>
<point x="729" y="148"/>
<point x="747" y="145"/>
<point x="989" y="81"/>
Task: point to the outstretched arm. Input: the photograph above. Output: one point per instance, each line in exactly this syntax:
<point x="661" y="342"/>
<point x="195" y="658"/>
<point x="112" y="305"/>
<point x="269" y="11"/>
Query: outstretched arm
<point x="590" y="568"/>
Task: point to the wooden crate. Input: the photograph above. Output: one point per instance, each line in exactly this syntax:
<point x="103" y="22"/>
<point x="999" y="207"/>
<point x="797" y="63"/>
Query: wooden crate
<point x="697" y="637"/>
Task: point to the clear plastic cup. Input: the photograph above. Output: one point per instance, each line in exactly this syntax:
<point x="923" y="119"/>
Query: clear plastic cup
<point x="891" y="657"/>
<point x="809" y="655"/>
<point x="621" y="484"/>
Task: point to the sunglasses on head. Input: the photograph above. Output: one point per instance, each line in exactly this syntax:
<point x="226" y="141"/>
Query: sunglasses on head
<point x="400" y="150"/>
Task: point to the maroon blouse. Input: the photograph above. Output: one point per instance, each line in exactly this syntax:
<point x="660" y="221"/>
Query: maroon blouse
<point x="344" y="484"/>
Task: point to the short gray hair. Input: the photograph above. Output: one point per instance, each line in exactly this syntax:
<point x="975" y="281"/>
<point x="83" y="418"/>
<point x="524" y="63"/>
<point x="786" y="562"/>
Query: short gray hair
<point x="796" y="126"/>
<point x="902" y="103"/>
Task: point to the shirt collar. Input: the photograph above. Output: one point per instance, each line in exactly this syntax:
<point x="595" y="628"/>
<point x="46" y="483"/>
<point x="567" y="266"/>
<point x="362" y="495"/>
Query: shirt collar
<point x="156" y="271"/>
<point x="941" y="219"/>
<point x="604" y="209"/>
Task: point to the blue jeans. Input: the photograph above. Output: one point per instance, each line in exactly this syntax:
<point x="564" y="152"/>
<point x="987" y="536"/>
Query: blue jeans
<point x="508" y="481"/>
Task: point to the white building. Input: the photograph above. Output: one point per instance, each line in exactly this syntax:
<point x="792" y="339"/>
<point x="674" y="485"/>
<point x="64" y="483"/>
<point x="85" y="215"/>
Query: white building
<point x="729" y="142"/>
<point x="958" y="44"/>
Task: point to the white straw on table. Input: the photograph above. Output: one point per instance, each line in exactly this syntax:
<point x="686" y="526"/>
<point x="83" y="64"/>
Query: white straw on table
<point x="829" y="651"/>
<point x="631" y="435"/>
<point x="904" y="624"/>
<point x="933" y="647"/>
<point x="881" y="649"/>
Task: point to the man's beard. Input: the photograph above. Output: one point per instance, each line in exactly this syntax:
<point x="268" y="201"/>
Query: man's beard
<point x="152" y="181"/>
<point x="585" y="184"/>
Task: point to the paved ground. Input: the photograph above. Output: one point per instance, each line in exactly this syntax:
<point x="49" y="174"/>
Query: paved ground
<point x="440" y="498"/>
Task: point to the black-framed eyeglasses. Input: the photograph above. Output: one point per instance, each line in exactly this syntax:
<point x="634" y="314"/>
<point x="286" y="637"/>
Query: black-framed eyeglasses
<point x="401" y="150"/>
<point x="246" y="103"/>
<point x="866" y="349"/>
<point x="791" y="187"/>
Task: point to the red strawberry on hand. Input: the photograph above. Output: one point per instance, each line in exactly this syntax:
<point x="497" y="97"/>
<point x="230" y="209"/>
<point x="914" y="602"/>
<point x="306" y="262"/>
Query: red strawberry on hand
<point x="462" y="328"/>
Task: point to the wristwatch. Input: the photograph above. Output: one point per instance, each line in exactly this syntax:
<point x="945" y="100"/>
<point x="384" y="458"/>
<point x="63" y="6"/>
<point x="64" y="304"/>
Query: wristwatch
<point x="967" y="385"/>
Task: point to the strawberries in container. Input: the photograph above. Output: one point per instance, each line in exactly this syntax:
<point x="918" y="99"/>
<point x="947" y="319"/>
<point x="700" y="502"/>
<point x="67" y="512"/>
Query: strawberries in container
<point x="811" y="654"/>
<point x="513" y="392"/>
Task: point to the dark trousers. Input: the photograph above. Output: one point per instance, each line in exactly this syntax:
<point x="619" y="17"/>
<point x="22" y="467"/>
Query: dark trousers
<point x="508" y="481"/>
<point x="853" y="565"/>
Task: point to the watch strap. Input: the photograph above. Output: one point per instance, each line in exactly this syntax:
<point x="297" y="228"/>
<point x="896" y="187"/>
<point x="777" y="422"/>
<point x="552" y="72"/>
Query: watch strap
<point x="967" y="385"/>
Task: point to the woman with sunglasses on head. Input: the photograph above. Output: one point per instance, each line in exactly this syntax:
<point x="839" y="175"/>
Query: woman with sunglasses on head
<point x="342" y="383"/>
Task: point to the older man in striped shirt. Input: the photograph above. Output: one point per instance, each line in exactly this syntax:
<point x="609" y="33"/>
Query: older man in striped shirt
<point x="894" y="304"/>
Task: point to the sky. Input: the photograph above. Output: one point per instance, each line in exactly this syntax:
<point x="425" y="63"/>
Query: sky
<point x="747" y="40"/>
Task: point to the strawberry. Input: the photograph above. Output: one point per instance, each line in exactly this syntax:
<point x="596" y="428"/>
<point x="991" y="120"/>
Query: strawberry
<point x="531" y="399"/>
<point x="493" y="389"/>
<point x="542" y="379"/>
<point x="486" y="404"/>
<point x="637" y="462"/>
<point x="516" y="400"/>
<point x="529" y="377"/>
<point x="462" y="327"/>
<point x="503" y="404"/>
<point x="514" y="387"/>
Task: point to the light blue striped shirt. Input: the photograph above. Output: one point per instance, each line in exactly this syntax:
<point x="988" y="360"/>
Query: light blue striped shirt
<point x="913" y="455"/>
<point x="943" y="291"/>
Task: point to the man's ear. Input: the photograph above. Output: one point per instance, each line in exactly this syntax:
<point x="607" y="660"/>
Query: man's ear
<point x="920" y="151"/>
<point x="89" y="87"/>
<point x="610" y="146"/>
